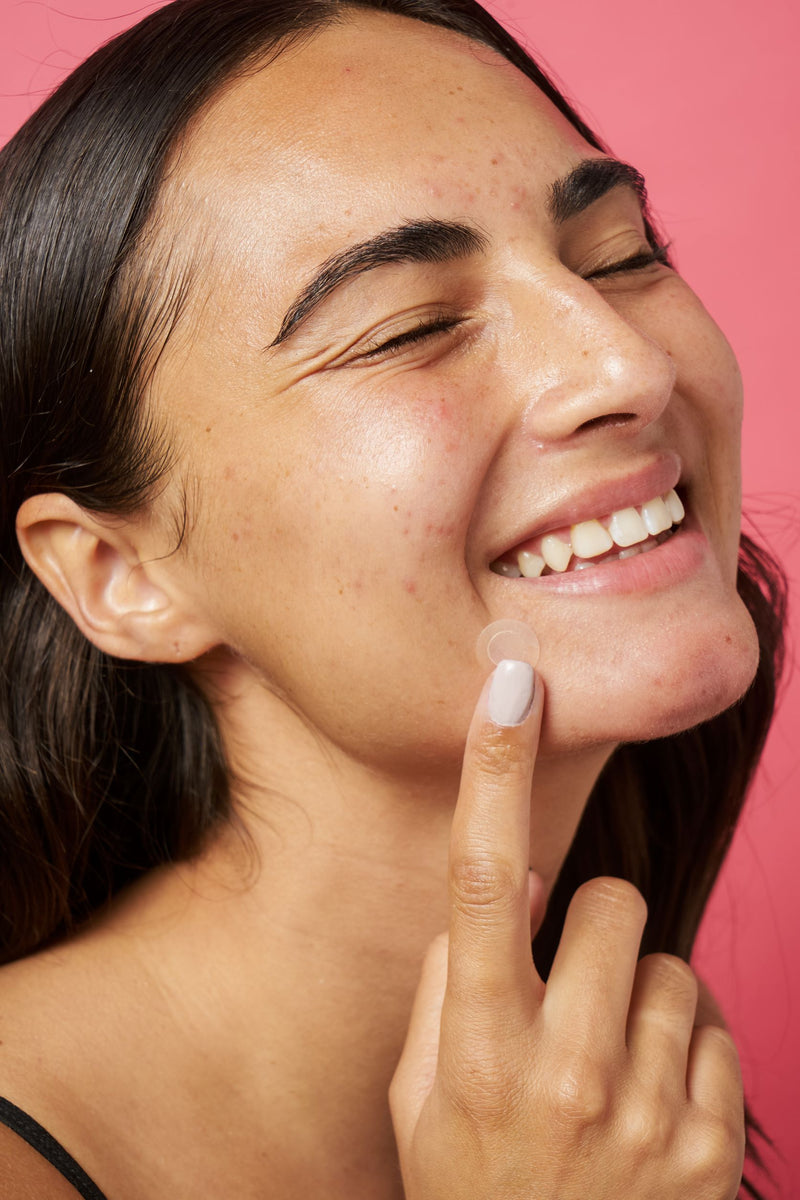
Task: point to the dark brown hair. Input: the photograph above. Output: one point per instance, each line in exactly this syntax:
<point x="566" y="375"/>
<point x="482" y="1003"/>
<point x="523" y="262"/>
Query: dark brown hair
<point x="108" y="768"/>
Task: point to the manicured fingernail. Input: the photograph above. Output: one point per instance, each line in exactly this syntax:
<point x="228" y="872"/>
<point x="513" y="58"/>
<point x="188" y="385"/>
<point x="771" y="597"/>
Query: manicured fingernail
<point x="511" y="692"/>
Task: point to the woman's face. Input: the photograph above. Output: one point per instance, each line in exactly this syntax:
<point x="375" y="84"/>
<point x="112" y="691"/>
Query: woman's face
<point x="452" y="393"/>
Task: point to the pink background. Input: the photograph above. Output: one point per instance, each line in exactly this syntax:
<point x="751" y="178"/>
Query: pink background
<point x="701" y="95"/>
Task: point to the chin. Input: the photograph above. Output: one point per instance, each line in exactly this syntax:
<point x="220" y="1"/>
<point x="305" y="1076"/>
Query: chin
<point x="660" y="687"/>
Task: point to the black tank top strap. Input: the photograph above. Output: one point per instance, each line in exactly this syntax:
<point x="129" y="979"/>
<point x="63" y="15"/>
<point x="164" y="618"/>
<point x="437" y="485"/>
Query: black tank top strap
<point x="46" y="1145"/>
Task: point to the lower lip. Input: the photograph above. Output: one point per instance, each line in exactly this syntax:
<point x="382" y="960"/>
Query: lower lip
<point x="673" y="561"/>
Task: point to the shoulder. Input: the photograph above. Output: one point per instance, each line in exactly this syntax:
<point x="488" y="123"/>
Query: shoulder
<point x="25" y="1175"/>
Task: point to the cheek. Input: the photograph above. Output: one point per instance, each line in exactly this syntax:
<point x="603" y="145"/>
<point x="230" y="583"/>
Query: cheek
<point x="372" y="500"/>
<point x="396" y="480"/>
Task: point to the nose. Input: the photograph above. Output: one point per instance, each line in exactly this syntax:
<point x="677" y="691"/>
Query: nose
<point x="596" y="368"/>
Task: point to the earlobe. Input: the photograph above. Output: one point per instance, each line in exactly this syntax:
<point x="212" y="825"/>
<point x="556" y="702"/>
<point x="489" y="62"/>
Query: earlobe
<point x="124" y="604"/>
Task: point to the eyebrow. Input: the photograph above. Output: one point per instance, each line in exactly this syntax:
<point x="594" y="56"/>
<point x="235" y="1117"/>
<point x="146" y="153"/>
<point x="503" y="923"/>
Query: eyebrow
<point x="588" y="182"/>
<point x="437" y="241"/>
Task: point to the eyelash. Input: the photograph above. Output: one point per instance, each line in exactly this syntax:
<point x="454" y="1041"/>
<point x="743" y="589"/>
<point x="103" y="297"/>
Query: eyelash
<point x="636" y="262"/>
<point x="443" y="324"/>
<point x="426" y="328"/>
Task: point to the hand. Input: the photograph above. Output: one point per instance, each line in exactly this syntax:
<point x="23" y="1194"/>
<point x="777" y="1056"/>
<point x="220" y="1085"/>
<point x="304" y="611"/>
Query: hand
<point x="595" y="1086"/>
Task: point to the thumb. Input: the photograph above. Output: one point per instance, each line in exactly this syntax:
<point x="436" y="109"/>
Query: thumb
<point x="416" y="1070"/>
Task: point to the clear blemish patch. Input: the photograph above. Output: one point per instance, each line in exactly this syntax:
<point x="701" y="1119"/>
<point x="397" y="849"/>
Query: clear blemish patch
<point x="507" y="638"/>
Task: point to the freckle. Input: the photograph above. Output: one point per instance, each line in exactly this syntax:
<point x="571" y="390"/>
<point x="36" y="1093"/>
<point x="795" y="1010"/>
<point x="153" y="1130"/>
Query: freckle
<point x="395" y="508"/>
<point x="208" y="429"/>
<point x="229" y="472"/>
<point x="341" y="591"/>
<point x="585" y="353"/>
<point x="235" y="537"/>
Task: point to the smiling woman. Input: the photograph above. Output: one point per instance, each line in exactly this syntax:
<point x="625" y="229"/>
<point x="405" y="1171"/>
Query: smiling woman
<point x="302" y="387"/>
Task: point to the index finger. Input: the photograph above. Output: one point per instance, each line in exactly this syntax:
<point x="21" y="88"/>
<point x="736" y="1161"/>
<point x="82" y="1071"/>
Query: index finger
<point x="490" y="974"/>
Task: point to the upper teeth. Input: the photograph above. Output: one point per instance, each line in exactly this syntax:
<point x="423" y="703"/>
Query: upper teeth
<point x="588" y="539"/>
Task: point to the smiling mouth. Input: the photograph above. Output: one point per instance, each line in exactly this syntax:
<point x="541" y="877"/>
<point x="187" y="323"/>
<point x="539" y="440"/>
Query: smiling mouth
<point x="622" y="534"/>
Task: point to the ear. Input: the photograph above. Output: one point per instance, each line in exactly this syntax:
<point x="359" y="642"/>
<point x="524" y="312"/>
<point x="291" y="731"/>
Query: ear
<point x="127" y="606"/>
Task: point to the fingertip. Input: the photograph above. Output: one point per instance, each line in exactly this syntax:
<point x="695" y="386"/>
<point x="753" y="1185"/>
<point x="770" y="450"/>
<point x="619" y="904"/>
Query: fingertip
<point x="511" y="692"/>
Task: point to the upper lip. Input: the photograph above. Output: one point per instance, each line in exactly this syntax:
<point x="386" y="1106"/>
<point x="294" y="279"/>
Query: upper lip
<point x="626" y="491"/>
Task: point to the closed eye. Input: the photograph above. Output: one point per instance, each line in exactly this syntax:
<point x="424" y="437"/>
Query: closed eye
<point x="424" y="329"/>
<point x="635" y="262"/>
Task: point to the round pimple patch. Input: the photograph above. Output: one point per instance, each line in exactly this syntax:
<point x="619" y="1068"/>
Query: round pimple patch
<point x="507" y="638"/>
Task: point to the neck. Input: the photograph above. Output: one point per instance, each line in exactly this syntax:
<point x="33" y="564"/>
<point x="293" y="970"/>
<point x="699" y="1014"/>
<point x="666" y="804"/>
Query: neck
<point x="321" y="916"/>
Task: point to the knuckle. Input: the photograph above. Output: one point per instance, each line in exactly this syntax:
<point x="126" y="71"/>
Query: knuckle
<point x="581" y="1091"/>
<point x="714" y="1039"/>
<point x="671" y="976"/>
<point x="717" y="1153"/>
<point x="646" y="1128"/>
<point x="481" y="880"/>
<point x="497" y="755"/>
<point x="613" y="899"/>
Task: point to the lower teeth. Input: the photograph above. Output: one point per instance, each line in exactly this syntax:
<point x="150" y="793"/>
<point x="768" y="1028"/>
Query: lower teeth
<point x="580" y="564"/>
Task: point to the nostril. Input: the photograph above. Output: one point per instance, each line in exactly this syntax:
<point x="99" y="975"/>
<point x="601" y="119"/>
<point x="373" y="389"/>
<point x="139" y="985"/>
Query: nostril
<point x="608" y="421"/>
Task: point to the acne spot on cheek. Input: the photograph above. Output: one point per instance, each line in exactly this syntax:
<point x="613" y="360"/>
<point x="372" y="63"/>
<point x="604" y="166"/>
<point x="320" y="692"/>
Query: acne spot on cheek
<point x="410" y="586"/>
<point x="443" y="531"/>
<point x="235" y="536"/>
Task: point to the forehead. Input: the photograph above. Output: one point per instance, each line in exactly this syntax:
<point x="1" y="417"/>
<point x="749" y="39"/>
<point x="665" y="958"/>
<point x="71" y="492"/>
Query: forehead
<point x="367" y="123"/>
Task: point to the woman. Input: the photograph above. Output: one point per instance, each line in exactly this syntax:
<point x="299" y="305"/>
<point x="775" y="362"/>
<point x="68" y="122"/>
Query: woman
<point x="329" y="337"/>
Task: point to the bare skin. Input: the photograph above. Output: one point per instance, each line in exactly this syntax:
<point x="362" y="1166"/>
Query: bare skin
<point x="231" y="1031"/>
